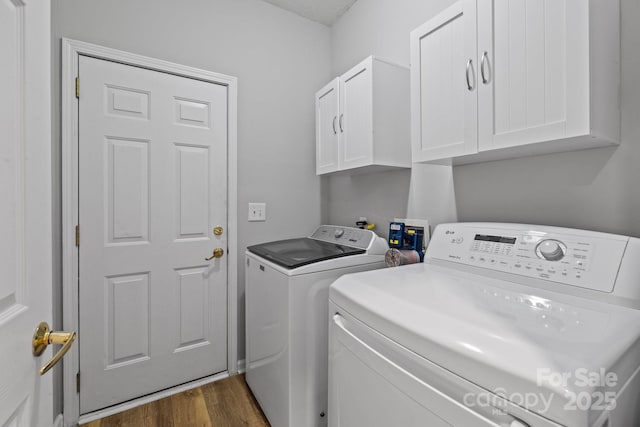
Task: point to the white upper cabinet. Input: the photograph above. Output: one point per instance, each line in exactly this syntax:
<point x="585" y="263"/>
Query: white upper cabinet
<point x="444" y="98"/>
<point x="545" y="73"/>
<point x="362" y="119"/>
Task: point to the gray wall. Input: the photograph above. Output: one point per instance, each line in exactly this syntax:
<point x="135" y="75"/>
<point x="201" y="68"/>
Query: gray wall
<point x="280" y="60"/>
<point x="381" y="28"/>
<point x="595" y="189"/>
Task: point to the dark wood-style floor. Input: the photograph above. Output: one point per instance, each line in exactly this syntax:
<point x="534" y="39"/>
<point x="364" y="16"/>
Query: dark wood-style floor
<point x="224" y="403"/>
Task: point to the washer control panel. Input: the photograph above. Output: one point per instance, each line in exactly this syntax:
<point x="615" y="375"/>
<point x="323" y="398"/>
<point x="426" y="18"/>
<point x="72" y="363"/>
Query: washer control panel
<point x="348" y="236"/>
<point x="574" y="257"/>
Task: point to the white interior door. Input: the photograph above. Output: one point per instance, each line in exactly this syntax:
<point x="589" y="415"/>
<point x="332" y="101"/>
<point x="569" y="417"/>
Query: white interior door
<point x="152" y="187"/>
<point x="25" y="211"/>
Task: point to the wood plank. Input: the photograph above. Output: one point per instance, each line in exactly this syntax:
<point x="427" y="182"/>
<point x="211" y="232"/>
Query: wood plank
<point x="133" y="417"/>
<point x="224" y="403"/>
<point x="160" y="413"/>
<point x="230" y="403"/>
<point x="190" y="409"/>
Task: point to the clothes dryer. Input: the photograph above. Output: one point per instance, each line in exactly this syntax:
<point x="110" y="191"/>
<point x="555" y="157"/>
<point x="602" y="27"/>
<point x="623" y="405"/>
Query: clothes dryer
<point x="503" y="325"/>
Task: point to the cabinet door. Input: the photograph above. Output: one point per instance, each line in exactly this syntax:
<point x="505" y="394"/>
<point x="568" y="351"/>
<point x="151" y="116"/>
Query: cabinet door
<point x="534" y="78"/>
<point x="327" y="132"/>
<point x="356" y="115"/>
<point x="443" y="84"/>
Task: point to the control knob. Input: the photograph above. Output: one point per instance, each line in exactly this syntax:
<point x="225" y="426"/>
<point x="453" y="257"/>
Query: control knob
<point x="551" y="250"/>
<point x="338" y="233"/>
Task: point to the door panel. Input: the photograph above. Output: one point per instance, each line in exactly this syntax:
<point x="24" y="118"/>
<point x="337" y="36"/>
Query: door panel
<point x="192" y="200"/>
<point x="524" y="98"/>
<point x="327" y="129"/>
<point x="356" y="120"/>
<point x="193" y="294"/>
<point x="25" y="211"/>
<point x="128" y="325"/>
<point x="152" y="186"/>
<point x="127" y="169"/>
<point x="443" y="52"/>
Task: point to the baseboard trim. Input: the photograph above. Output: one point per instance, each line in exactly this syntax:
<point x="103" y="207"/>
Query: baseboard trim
<point x="58" y="422"/>
<point x="96" y="415"/>
<point x="241" y="366"/>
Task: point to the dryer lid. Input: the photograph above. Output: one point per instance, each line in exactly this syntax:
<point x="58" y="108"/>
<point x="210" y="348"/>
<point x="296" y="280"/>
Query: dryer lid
<point x="510" y="339"/>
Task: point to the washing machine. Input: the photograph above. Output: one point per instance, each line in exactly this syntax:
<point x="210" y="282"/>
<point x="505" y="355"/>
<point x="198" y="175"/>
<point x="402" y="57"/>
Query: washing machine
<point x="287" y="290"/>
<point x="503" y="325"/>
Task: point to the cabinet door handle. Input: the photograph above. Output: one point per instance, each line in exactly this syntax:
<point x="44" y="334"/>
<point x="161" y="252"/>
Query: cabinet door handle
<point x="483" y="63"/>
<point x="469" y="68"/>
<point x="334" y="125"/>
<point x="340" y="122"/>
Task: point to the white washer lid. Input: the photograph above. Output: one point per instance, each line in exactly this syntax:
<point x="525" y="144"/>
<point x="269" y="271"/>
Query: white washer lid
<point x="505" y="337"/>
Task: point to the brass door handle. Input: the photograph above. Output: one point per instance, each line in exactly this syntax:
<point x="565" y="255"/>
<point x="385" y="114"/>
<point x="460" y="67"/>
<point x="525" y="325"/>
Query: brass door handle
<point x="217" y="253"/>
<point x="43" y="336"/>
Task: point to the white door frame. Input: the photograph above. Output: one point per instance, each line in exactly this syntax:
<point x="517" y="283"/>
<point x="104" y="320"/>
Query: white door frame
<point x="71" y="51"/>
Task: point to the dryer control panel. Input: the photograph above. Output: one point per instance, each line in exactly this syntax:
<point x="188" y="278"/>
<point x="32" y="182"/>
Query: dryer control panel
<point x="573" y="257"/>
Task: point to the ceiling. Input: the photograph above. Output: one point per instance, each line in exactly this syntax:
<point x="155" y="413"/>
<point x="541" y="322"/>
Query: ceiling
<point x="324" y="11"/>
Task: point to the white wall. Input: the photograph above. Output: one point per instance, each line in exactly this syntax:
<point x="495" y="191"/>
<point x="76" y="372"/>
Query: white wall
<point x="280" y="60"/>
<point x="381" y="28"/>
<point x="594" y="189"/>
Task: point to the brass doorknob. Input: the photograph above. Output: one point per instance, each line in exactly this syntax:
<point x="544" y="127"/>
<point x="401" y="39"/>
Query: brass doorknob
<point x="217" y="253"/>
<point x="43" y="336"/>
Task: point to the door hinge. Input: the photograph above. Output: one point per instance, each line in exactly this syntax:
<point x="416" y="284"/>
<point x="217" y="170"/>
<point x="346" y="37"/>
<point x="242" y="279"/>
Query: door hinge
<point x="78" y="235"/>
<point x="78" y="382"/>
<point x="78" y="87"/>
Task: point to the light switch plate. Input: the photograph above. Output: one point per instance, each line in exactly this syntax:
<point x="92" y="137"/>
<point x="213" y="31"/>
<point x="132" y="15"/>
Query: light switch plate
<point x="257" y="211"/>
